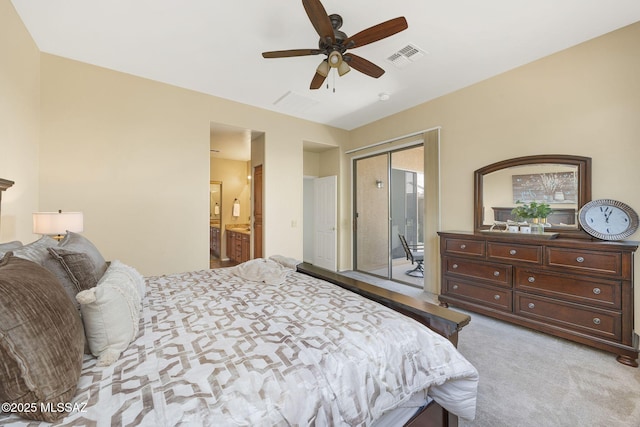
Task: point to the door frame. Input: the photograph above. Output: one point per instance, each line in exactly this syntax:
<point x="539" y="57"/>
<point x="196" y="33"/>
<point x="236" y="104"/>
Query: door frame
<point x="432" y="218"/>
<point x="391" y="240"/>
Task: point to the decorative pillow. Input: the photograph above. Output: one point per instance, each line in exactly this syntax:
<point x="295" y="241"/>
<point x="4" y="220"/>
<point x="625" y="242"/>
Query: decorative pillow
<point x="131" y="275"/>
<point x="262" y="270"/>
<point x="111" y="312"/>
<point x="41" y="339"/>
<point x="6" y="247"/>
<point x="78" y="266"/>
<point x="36" y="251"/>
<point x="285" y="261"/>
<point x="78" y="243"/>
<point x="75" y="243"/>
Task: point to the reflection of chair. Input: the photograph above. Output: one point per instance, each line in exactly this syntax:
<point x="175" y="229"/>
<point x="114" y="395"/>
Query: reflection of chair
<point x="416" y="255"/>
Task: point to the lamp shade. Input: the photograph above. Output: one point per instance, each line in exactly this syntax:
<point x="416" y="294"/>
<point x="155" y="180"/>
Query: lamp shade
<point x="323" y="69"/>
<point x="343" y="69"/>
<point x="52" y="223"/>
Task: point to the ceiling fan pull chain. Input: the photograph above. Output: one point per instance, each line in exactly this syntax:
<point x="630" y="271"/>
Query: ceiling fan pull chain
<point x="334" y="82"/>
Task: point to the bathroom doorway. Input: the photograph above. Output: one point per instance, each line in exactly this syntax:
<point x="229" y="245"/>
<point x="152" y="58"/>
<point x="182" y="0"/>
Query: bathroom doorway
<point x="233" y="153"/>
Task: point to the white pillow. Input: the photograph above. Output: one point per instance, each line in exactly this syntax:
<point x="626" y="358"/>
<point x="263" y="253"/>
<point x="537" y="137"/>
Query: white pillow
<point x="111" y="312"/>
<point x="286" y="261"/>
<point x="131" y="274"/>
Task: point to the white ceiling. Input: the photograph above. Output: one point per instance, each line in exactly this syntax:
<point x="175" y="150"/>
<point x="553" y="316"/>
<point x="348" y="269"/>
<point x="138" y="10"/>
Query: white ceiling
<point x="215" y="47"/>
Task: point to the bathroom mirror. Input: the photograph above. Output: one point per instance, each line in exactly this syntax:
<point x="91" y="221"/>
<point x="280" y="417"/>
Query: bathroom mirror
<point x="562" y="181"/>
<point x="215" y="202"/>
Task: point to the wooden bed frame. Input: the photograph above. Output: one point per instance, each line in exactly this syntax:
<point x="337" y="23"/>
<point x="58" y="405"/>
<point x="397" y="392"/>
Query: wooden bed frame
<point x="442" y="320"/>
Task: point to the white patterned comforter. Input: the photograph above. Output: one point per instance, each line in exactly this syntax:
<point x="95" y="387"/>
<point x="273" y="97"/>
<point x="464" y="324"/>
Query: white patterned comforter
<point x="217" y="350"/>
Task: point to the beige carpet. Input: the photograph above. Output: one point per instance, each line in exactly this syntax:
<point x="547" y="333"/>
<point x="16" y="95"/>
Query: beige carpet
<point x="529" y="379"/>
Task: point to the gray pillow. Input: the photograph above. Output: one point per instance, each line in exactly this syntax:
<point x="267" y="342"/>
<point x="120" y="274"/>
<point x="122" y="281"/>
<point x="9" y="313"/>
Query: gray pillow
<point x="78" y="266"/>
<point x="74" y="242"/>
<point x="78" y="243"/>
<point x="36" y="251"/>
<point x="6" y="247"/>
<point x="41" y="340"/>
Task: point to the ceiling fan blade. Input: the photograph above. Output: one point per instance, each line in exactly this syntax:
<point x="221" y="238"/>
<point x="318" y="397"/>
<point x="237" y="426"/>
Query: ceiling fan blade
<point x="290" y="52"/>
<point x="377" y="32"/>
<point x="319" y="19"/>
<point x="317" y="81"/>
<point x="362" y="65"/>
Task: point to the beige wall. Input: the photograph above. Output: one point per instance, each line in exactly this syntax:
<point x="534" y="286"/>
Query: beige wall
<point x="583" y="101"/>
<point x="311" y="166"/>
<point x="133" y="154"/>
<point x="19" y="125"/>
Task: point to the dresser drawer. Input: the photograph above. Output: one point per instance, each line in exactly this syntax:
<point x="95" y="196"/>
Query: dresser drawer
<point x="596" y="262"/>
<point x="593" y="321"/>
<point x="485" y="295"/>
<point x="604" y="293"/>
<point x="464" y="246"/>
<point x="515" y="252"/>
<point x="497" y="274"/>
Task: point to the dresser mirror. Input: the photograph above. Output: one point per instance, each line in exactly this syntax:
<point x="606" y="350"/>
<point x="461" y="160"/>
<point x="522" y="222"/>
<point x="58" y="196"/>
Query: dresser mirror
<point x="562" y="181"/>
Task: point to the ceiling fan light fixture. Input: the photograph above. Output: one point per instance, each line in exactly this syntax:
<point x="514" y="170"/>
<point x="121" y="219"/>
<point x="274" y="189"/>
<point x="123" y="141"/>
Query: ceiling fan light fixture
<point x="335" y="59"/>
<point x="343" y="68"/>
<point x="323" y="69"/>
<point x="334" y="43"/>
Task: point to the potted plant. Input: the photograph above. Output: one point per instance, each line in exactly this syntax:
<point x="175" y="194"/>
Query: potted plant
<point x="534" y="211"/>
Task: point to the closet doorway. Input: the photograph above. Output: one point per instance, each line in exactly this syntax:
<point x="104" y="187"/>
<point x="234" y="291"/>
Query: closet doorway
<point x="389" y="202"/>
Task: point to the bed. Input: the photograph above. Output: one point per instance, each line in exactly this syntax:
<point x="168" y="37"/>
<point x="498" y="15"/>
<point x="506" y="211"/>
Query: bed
<point x="259" y="344"/>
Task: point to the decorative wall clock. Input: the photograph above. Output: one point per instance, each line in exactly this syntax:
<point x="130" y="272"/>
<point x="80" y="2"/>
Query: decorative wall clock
<point x="608" y="219"/>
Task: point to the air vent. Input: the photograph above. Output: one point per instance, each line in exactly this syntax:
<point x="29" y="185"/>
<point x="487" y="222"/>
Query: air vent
<point x="405" y="56"/>
<point x="292" y="101"/>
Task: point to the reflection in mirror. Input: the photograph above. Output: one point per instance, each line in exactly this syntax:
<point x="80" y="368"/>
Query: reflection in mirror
<point x="215" y="202"/>
<point x="563" y="182"/>
<point x="553" y="184"/>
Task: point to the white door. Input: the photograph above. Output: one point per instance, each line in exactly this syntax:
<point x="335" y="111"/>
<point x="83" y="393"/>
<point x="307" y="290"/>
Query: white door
<point x="325" y="222"/>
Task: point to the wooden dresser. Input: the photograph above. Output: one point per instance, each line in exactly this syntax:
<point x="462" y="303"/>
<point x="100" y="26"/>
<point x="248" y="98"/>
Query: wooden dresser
<point x="577" y="289"/>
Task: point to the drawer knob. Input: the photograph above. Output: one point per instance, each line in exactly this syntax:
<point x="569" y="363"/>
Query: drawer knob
<point x="496" y="297"/>
<point x="513" y="252"/>
<point x="455" y="287"/>
<point x="596" y="321"/>
<point x="596" y="291"/>
<point x="463" y="246"/>
<point x="454" y="266"/>
<point x="532" y="305"/>
<point x="531" y="279"/>
<point x="580" y="259"/>
<point x="496" y="273"/>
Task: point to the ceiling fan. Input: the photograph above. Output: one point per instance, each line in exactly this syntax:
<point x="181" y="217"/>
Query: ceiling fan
<point x="334" y="43"/>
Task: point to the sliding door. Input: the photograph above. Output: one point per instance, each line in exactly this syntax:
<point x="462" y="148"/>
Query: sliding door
<point x="407" y="211"/>
<point x="372" y="214"/>
<point x="389" y="202"/>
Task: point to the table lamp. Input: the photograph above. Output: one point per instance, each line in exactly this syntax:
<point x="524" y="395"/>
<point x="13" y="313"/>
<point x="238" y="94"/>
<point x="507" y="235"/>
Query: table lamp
<point x="56" y="224"/>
